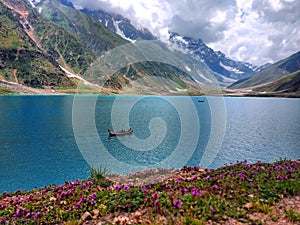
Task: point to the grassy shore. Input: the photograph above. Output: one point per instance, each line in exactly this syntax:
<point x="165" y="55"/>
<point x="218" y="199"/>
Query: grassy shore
<point x="240" y="193"/>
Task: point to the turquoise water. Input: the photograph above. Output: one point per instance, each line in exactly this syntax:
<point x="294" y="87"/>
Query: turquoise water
<point x="50" y="139"/>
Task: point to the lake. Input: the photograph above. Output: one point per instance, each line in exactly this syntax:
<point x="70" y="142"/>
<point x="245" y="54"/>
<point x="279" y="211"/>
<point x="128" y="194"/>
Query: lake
<point x="52" y="139"/>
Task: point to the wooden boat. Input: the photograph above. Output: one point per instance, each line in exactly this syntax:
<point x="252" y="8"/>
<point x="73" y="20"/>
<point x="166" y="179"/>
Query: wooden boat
<point x="200" y="100"/>
<point x="119" y="133"/>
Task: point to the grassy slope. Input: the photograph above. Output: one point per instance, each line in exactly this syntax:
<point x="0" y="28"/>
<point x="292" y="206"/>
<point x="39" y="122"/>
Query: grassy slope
<point x="90" y="31"/>
<point x="236" y="192"/>
<point x="99" y="39"/>
<point x="17" y="50"/>
<point x="289" y="83"/>
<point x="272" y="73"/>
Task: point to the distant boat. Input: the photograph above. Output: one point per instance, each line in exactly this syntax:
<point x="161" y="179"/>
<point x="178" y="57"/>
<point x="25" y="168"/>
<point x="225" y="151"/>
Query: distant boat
<point x="200" y="100"/>
<point x="119" y="133"/>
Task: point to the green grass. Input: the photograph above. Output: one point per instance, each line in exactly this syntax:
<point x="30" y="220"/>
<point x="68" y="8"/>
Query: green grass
<point x="293" y="215"/>
<point x="5" y="91"/>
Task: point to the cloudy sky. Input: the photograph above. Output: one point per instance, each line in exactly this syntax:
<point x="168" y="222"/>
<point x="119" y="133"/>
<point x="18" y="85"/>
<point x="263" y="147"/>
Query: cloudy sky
<point x="255" y="31"/>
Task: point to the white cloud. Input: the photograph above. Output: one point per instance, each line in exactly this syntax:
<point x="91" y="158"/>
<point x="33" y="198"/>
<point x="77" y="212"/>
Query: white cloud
<point x="255" y="31"/>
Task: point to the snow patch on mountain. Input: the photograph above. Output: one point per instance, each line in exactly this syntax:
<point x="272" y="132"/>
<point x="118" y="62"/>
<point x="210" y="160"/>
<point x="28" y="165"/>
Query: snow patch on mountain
<point x="120" y="32"/>
<point x="229" y="68"/>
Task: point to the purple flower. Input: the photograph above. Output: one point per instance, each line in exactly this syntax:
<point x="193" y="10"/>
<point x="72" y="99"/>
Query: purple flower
<point x="3" y="207"/>
<point x="193" y="178"/>
<point x="279" y="177"/>
<point x="168" y="186"/>
<point x="155" y="196"/>
<point x="214" y="187"/>
<point x="119" y="187"/>
<point x="156" y="203"/>
<point x="241" y="176"/>
<point x="195" y="192"/>
<point x="93" y="202"/>
<point x="29" y="215"/>
<point x="17" y="213"/>
<point x="93" y="196"/>
<point x="141" y="187"/>
<point x="207" y="178"/>
<point x="37" y="215"/>
<point x="4" y="221"/>
<point x="182" y="178"/>
<point x="177" y="203"/>
<point x="212" y="208"/>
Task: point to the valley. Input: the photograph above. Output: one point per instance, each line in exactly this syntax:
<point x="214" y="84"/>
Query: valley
<point x="50" y="47"/>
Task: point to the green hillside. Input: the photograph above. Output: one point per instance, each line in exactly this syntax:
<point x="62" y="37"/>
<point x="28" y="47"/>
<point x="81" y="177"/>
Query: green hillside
<point x="272" y="73"/>
<point x="90" y="31"/>
<point x="100" y="39"/>
<point x="21" y="61"/>
<point x="287" y="84"/>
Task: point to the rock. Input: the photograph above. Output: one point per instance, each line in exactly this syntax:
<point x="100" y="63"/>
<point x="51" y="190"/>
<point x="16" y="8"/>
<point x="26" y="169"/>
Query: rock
<point x="85" y="216"/>
<point x="248" y="205"/>
<point x="63" y="203"/>
<point x="52" y="199"/>
<point x="121" y="220"/>
<point x="95" y="213"/>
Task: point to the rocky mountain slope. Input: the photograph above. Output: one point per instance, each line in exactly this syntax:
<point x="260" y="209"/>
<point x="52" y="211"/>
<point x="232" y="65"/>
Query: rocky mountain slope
<point x="92" y="33"/>
<point x="227" y="71"/>
<point x="21" y="60"/>
<point x="61" y="47"/>
<point x="89" y="31"/>
<point x="281" y="70"/>
<point x="287" y="84"/>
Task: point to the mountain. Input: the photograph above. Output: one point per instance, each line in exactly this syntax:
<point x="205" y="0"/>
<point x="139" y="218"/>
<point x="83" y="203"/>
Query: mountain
<point x="52" y="45"/>
<point x="215" y="60"/>
<point x="22" y="62"/>
<point x="288" y="84"/>
<point x="120" y="25"/>
<point x="94" y="35"/>
<point x="98" y="39"/>
<point x="227" y="71"/>
<point x="273" y="73"/>
<point x="49" y="46"/>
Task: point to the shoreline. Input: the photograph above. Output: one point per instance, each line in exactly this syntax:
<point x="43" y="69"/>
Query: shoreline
<point x="265" y="95"/>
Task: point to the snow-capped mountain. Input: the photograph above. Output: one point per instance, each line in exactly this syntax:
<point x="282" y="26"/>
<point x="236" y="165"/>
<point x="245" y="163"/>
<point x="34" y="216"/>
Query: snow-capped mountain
<point x="215" y="60"/>
<point x="224" y="68"/>
<point x="120" y="25"/>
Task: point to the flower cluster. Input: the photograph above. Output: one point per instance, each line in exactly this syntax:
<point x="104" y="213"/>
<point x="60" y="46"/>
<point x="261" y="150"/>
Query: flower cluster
<point x="194" y="191"/>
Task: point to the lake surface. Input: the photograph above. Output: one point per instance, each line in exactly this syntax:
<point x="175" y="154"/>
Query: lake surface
<point x="51" y="139"/>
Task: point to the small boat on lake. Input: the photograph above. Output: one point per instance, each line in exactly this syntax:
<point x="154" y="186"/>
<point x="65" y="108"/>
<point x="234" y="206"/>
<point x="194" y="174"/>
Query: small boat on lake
<point x="200" y="100"/>
<point x="119" y="133"/>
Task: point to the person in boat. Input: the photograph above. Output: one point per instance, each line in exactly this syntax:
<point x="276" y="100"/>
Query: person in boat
<point x="121" y="132"/>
